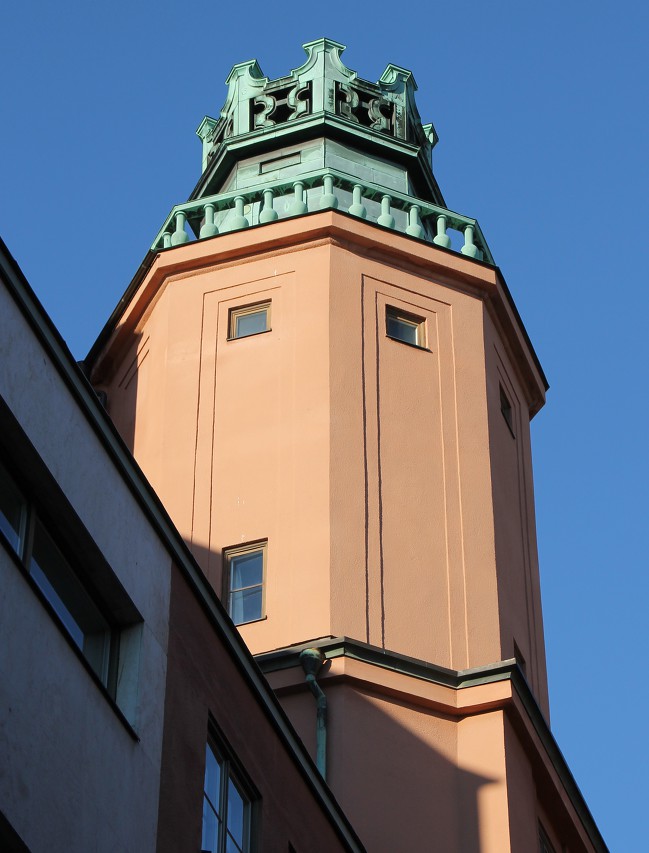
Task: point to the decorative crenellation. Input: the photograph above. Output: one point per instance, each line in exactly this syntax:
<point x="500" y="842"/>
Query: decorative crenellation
<point x="322" y="85"/>
<point x="321" y="190"/>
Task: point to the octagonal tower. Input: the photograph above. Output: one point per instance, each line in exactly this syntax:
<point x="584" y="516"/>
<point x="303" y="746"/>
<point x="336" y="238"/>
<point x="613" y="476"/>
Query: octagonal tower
<point x="321" y="371"/>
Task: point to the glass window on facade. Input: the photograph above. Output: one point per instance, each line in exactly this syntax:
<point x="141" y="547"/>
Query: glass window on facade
<point x="226" y="807"/>
<point x="401" y="326"/>
<point x="245" y="572"/>
<point x="50" y="569"/>
<point x="72" y="604"/>
<point x="249" y="320"/>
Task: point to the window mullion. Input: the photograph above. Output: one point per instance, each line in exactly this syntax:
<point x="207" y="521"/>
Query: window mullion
<point x="244" y="588"/>
<point x="223" y="806"/>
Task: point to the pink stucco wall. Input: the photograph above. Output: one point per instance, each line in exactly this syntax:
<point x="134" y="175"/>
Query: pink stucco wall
<point x="374" y="469"/>
<point x="397" y="506"/>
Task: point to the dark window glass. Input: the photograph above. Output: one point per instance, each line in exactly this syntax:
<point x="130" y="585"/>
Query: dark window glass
<point x="236" y="814"/>
<point x="13" y="511"/>
<point x="405" y="327"/>
<point x="48" y="552"/>
<point x="72" y="604"/>
<point x="506" y="409"/>
<point x="545" y="845"/>
<point x="54" y="576"/>
<point x="224" y="797"/>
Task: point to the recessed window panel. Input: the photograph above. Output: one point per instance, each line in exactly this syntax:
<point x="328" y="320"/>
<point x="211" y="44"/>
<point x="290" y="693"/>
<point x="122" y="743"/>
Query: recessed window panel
<point x="72" y="604"/>
<point x="405" y="327"/>
<point x="506" y="409"/>
<point x="45" y="545"/>
<point x="249" y="320"/>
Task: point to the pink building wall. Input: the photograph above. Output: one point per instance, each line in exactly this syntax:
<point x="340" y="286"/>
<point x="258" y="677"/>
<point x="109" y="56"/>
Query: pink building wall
<point x="375" y="470"/>
<point x="397" y="504"/>
<point x="417" y="763"/>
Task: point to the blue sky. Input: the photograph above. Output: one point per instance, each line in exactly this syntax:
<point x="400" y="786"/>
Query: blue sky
<point x="542" y="115"/>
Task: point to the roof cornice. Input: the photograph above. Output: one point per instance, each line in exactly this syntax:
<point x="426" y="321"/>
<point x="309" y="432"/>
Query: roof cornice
<point x="299" y="232"/>
<point x="521" y="706"/>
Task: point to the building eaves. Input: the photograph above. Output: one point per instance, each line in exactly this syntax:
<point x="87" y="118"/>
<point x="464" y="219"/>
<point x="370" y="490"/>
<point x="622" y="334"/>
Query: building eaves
<point x="265" y="232"/>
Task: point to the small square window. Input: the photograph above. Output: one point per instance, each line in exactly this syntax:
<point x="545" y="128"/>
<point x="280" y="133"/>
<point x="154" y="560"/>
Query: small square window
<point x="506" y="409"/>
<point x="404" y="327"/>
<point x="249" y="320"/>
<point x="245" y="571"/>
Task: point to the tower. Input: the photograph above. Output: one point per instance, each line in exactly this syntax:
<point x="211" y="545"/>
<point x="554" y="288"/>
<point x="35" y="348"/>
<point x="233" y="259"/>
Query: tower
<point x="322" y="373"/>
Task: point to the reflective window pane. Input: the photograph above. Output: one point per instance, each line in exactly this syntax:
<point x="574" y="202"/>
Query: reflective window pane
<point x="210" y="837"/>
<point x="212" y="778"/>
<point x="13" y="509"/>
<point x="246" y="605"/>
<point x="247" y="569"/>
<point x="231" y="846"/>
<point x="251" y="323"/>
<point x="402" y="330"/>
<point x="235" y="813"/>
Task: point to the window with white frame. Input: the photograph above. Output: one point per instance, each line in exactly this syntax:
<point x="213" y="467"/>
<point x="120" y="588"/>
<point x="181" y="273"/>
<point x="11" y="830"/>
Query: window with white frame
<point x="249" y="320"/>
<point x="245" y="572"/>
<point x="227" y="804"/>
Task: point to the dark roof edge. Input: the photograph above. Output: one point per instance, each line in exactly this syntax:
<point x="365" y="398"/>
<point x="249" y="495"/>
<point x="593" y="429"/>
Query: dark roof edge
<point x="84" y="396"/>
<point x="507" y="670"/>
<point x="118" y="310"/>
<point x="521" y="324"/>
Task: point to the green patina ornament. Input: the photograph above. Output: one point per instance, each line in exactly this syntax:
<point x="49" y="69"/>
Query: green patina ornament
<point x="208" y="228"/>
<point x="322" y="133"/>
<point x="268" y="212"/>
<point x="328" y="199"/>
<point x="386" y="219"/>
<point x="238" y="221"/>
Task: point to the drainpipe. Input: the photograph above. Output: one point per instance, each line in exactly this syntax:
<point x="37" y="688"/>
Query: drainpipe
<point x="312" y="660"/>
